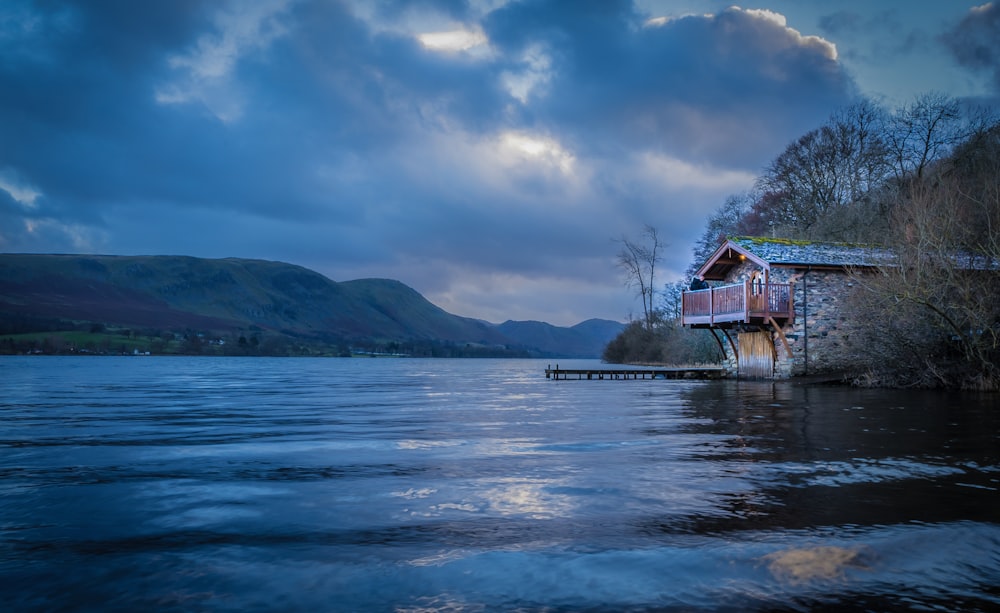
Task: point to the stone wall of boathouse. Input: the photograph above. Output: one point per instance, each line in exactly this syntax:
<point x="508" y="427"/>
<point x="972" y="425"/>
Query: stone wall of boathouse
<point x="820" y="333"/>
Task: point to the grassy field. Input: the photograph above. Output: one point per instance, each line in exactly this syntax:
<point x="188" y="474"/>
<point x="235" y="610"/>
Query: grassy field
<point x="77" y="341"/>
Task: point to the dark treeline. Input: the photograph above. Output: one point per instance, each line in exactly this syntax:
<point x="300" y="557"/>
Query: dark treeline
<point x="922" y="180"/>
<point x="35" y="336"/>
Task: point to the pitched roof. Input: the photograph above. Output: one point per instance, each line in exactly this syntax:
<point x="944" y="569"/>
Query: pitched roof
<point x="785" y="251"/>
<point x="767" y="252"/>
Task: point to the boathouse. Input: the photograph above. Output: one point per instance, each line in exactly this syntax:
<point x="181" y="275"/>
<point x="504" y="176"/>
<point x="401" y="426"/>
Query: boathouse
<point x="776" y="306"/>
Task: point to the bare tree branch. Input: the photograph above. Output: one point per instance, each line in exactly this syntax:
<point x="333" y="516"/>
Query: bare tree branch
<point x="638" y="260"/>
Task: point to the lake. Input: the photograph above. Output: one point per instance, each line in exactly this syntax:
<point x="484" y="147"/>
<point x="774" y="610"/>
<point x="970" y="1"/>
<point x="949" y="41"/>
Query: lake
<point x="295" y="484"/>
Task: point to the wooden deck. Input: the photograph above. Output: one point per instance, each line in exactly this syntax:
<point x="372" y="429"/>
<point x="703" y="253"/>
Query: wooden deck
<point x="751" y="303"/>
<point x="689" y="372"/>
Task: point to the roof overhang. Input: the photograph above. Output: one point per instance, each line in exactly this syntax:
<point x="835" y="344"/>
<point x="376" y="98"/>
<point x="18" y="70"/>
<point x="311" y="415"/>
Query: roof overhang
<point x="728" y="256"/>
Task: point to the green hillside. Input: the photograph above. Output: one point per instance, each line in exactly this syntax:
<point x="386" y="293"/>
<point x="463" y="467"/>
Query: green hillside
<point x="254" y="305"/>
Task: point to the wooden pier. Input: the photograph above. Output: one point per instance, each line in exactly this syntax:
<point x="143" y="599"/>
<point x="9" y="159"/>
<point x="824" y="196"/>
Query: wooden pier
<point x="687" y="372"/>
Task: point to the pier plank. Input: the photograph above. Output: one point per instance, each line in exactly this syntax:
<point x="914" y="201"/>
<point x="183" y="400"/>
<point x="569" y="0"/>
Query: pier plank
<point x="688" y="372"/>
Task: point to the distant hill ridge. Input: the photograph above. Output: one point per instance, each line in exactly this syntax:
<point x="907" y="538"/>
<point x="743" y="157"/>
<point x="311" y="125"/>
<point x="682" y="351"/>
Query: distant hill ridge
<point x="232" y="294"/>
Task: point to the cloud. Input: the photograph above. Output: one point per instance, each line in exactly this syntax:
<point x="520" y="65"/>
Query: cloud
<point x="876" y="37"/>
<point x="22" y="193"/>
<point x="484" y="155"/>
<point x="975" y="41"/>
<point x="611" y="77"/>
<point x="389" y="9"/>
<point x="207" y="69"/>
<point x="452" y="40"/>
<point x="22" y="229"/>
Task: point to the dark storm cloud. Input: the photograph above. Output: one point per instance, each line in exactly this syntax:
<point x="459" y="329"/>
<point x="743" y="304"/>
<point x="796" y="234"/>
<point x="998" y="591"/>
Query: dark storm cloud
<point x="94" y="135"/>
<point x="304" y="131"/>
<point x="975" y="42"/>
<point x="618" y="81"/>
<point x="79" y="111"/>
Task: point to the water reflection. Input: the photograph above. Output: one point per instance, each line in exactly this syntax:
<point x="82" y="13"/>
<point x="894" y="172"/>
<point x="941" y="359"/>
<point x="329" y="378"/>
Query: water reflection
<point x="839" y="456"/>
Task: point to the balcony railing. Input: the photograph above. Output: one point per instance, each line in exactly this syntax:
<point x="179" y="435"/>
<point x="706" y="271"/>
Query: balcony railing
<point x="748" y="302"/>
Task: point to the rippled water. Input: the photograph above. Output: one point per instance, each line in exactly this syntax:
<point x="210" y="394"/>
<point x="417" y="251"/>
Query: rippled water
<point x="478" y="485"/>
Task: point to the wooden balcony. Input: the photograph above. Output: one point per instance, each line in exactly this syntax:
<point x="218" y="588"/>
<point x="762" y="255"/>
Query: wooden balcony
<point x="749" y="302"/>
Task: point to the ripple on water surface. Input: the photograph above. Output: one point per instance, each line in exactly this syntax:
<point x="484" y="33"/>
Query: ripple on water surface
<point x="418" y="485"/>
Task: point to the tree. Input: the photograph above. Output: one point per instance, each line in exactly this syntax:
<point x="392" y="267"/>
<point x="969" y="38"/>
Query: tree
<point x="924" y="132"/>
<point x="670" y="343"/>
<point x="638" y="260"/>
<point x="734" y="217"/>
<point x="636" y="344"/>
<point x="192" y="344"/>
<point x="931" y="315"/>
<point x="819" y="185"/>
<point x="860" y="130"/>
<point x="672" y="300"/>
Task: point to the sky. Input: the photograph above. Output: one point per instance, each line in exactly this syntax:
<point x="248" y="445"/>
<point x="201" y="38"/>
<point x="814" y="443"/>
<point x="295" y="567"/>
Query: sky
<point x="487" y="153"/>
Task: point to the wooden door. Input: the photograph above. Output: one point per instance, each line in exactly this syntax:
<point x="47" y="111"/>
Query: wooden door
<point x="756" y="355"/>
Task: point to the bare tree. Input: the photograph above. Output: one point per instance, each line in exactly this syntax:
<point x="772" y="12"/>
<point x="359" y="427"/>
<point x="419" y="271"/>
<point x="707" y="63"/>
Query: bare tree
<point x="638" y="260"/>
<point x="923" y="132"/>
<point x="933" y="310"/>
<point x="816" y="186"/>
<point x="861" y="133"/>
<point x="672" y="301"/>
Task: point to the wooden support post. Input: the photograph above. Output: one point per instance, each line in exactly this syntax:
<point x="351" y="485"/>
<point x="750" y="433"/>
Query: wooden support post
<point x="781" y="335"/>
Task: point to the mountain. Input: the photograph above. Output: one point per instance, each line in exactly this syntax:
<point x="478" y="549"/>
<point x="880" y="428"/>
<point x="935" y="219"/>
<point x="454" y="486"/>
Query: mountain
<point x="231" y="296"/>
<point x="584" y="340"/>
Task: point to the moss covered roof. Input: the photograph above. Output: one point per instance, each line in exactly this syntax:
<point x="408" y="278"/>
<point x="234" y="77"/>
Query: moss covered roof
<point x="788" y="251"/>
